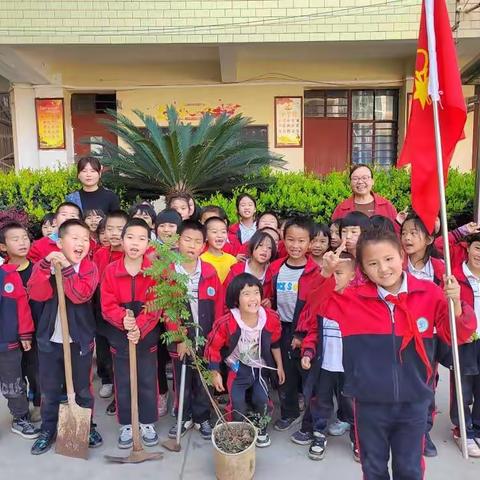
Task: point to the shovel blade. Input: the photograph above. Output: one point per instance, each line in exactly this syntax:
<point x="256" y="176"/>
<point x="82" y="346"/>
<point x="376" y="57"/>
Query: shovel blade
<point x="135" y="457"/>
<point x="73" y="431"/>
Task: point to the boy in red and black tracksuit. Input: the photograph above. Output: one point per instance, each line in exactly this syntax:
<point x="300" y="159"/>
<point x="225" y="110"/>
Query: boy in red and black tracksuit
<point x="288" y="282"/>
<point x="45" y="245"/>
<point x="206" y="302"/>
<point x="322" y="356"/>
<point x="114" y="224"/>
<point x="15" y="243"/>
<point x="16" y="327"/>
<point x="80" y="279"/>
<point x="468" y="275"/>
<point x="125" y="292"/>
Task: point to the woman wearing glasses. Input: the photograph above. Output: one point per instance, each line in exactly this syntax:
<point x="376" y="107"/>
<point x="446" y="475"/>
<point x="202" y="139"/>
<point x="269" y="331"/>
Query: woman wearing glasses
<point x="363" y="199"/>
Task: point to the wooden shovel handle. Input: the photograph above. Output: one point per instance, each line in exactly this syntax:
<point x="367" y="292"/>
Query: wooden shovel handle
<point x="67" y="354"/>
<point x="132" y="354"/>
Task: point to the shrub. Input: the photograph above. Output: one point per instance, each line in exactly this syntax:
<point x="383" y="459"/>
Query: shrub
<point x="37" y="192"/>
<point x="295" y="193"/>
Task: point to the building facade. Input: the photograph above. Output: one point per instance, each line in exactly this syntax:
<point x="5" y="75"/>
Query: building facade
<point x="326" y="83"/>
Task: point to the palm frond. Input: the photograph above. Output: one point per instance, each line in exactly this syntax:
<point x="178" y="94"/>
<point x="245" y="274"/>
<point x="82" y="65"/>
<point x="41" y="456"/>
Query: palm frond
<point x="207" y="158"/>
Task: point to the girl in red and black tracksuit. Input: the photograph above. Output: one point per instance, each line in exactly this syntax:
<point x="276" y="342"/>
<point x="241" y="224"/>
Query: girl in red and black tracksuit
<point x="261" y="250"/>
<point x="206" y="303"/>
<point x="241" y="232"/>
<point x="16" y="327"/>
<point x="387" y="327"/>
<point x="80" y="279"/>
<point x="288" y="282"/>
<point x="468" y="275"/>
<point x="423" y="262"/>
<point x="122" y="290"/>
<point x="247" y="340"/>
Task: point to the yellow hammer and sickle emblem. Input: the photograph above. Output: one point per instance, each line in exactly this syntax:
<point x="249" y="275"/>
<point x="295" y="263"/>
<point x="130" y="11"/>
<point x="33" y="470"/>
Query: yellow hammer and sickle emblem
<point x="421" y="81"/>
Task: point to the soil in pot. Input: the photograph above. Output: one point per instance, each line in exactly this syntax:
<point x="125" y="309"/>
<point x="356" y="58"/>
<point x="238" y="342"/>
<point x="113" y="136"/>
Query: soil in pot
<point x="235" y="438"/>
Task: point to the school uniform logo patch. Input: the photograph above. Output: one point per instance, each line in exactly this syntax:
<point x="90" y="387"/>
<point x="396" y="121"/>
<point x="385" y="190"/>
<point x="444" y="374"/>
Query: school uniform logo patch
<point x="210" y="291"/>
<point x="9" y="288"/>
<point x="422" y="324"/>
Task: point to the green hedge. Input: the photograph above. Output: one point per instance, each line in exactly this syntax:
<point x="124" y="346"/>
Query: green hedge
<point x="40" y="191"/>
<point x="305" y="194"/>
<point x="37" y="192"/>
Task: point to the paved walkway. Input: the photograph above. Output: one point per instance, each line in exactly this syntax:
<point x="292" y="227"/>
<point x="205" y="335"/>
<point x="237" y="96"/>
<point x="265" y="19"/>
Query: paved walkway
<point x="283" y="460"/>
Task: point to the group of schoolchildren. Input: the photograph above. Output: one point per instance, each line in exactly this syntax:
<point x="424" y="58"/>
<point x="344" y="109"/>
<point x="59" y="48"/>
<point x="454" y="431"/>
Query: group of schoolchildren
<point x="350" y="315"/>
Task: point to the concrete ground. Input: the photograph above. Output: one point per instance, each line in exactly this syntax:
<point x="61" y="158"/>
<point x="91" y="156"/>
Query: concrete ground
<point x="283" y="460"/>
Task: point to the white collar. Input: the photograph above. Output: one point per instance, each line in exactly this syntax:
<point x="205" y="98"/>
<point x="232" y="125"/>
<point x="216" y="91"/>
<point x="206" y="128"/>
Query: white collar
<point x="262" y="319"/>
<point x="198" y="268"/>
<point x="403" y="289"/>
<point x="468" y="273"/>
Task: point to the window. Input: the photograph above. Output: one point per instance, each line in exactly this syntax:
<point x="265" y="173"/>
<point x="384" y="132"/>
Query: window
<point x="374" y="127"/>
<point x="256" y="133"/>
<point x="326" y="103"/>
<point x="372" y="121"/>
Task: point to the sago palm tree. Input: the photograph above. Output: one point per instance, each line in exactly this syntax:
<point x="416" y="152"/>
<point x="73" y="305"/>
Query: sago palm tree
<point x="152" y="161"/>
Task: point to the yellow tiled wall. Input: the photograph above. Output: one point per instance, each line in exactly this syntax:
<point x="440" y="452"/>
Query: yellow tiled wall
<point x="222" y="21"/>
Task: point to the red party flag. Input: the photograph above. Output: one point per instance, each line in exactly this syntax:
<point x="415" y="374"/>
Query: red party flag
<point x="437" y="77"/>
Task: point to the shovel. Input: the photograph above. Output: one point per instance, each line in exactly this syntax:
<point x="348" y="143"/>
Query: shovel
<point x="73" y="421"/>
<point x="173" y="444"/>
<point x="138" y="454"/>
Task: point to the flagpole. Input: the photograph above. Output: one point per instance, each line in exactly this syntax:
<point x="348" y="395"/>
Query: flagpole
<point x="448" y="271"/>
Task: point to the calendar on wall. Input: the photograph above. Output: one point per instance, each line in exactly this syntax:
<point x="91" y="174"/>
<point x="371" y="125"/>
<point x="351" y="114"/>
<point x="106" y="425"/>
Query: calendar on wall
<point x="50" y="123"/>
<point x="288" y="122"/>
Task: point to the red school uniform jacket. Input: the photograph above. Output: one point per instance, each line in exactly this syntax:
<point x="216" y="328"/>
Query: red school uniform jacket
<point x="381" y="207"/>
<point x="225" y="335"/>
<point x="211" y="300"/>
<point x="307" y="280"/>
<point x="43" y="246"/>
<point x="103" y="257"/>
<point x="79" y="288"/>
<point x="239" y="268"/>
<point x="119" y="291"/>
<point x="15" y="317"/>
<point x="469" y="363"/>
<point x="458" y="248"/>
<point x="376" y="370"/>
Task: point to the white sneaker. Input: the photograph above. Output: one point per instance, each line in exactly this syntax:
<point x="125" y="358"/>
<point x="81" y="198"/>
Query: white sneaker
<point x="149" y="435"/>
<point x="472" y="448"/>
<point x="125" y="440"/>
<point x="163" y="405"/>
<point x="106" y="391"/>
<point x="338" y="428"/>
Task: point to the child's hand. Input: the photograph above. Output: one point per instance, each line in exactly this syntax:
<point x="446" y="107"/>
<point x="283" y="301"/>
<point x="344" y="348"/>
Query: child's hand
<point x="296" y="343"/>
<point x="306" y="363"/>
<point x="26" y="345"/>
<point x="182" y="350"/>
<point x="241" y="257"/>
<point x="281" y="375"/>
<point x="129" y="322"/>
<point x="57" y="257"/>
<point x="331" y="260"/>
<point x="401" y="216"/>
<point x="471" y="228"/>
<point x="266" y="303"/>
<point x="452" y="291"/>
<point x="134" y="335"/>
<point x="217" y="382"/>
